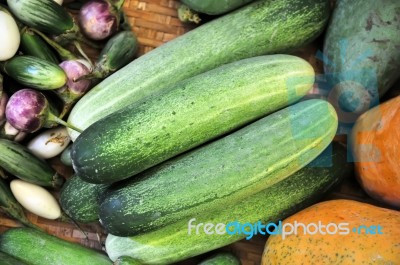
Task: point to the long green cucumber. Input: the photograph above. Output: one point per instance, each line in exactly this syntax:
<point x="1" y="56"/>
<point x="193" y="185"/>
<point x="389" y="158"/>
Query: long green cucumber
<point x="173" y="243"/>
<point x="39" y="248"/>
<point x="20" y="162"/>
<point x="125" y="260"/>
<point x="10" y="206"/>
<point x="35" y="72"/>
<point x="212" y="7"/>
<point x="188" y="114"/>
<point x="224" y="258"/>
<point x="263" y="27"/>
<point x="225" y="171"/>
<point x="34" y="45"/>
<point x="9" y="260"/>
<point x="362" y="49"/>
<point x="80" y="199"/>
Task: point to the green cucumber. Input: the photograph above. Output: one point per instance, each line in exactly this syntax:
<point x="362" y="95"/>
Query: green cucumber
<point x="32" y="44"/>
<point x="362" y="49"/>
<point x="20" y="162"/>
<point x="39" y="248"/>
<point x="10" y="206"/>
<point x="225" y="171"/>
<point x="224" y="258"/>
<point x="9" y="260"/>
<point x="35" y="72"/>
<point x="263" y="27"/>
<point x="173" y="243"/>
<point x="44" y="15"/>
<point x="124" y="260"/>
<point x="79" y="199"/>
<point x="212" y="7"/>
<point x="188" y="114"/>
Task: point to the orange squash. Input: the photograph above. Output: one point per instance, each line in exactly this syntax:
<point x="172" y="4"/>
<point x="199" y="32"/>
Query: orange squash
<point x="339" y="249"/>
<point x="375" y="144"/>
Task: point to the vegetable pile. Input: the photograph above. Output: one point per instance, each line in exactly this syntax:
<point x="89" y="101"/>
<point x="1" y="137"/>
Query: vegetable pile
<point x="224" y="123"/>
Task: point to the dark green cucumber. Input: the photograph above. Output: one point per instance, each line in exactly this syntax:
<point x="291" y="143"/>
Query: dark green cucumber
<point x="225" y="171"/>
<point x="263" y="27"/>
<point x="173" y="243"/>
<point x="9" y="260"/>
<point x="32" y="44"/>
<point x="44" y="15"/>
<point x="125" y="260"/>
<point x="188" y="114"/>
<point x="40" y="248"/>
<point x="212" y="7"/>
<point x="10" y="205"/>
<point x="362" y="49"/>
<point x="224" y="258"/>
<point x="20" y="162"/>
<point x="80" y="200"/>
<point x="35" y="72"/>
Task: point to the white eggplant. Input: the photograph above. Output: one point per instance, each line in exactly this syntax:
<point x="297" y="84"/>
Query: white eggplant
<point x="49" y="143"/>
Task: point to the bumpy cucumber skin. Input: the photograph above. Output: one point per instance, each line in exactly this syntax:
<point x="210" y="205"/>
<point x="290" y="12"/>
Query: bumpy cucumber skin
<point x="44" y="15"/>
<point x="212" y="7"/>
<point x="188" y="114"/>
<point x="40" y="248"/>
<point x="222" y="172"/>
<point x="221" y="259"/>
<point x="9" y="260"/>
<point x="172" y="243"/>
<point x="79" y="199"/>
<point x="35" y="72"/>
<point x="263" y="27"/>
<point x="362" y="44"/>
<point x="20" y="162"/>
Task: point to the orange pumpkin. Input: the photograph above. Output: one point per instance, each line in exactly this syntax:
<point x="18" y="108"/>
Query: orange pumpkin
<point x="340" y="249"/>
<point x="375" y="143"/>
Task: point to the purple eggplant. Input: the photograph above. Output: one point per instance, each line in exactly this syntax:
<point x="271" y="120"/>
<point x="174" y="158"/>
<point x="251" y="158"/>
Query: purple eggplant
<point x="99" y="19"/>
<point x="28" y="110"/>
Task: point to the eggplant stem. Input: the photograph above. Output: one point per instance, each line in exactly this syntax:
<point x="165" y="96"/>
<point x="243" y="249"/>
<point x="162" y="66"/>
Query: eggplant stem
<point x="116" y="3"/>
<point x="56" y="119"/>
<point x="80" y="50"/>
<point x="64" y="53"/>
<point x="93" y="75"/>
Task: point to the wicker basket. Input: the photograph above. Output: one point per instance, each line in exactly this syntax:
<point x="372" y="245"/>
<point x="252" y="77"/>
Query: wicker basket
<point x="154" y="23"/>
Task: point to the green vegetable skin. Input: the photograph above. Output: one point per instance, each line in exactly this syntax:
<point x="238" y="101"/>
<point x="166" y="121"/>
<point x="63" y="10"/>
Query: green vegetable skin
<point x="172" y="243"/>
<point x="362" y="43"/>
<point x="9" y="260"/>
<point x="32" y="44"/>
<point x="223" y="172"/>
<point x="263" y="27"/>
<point x="124" y="260"/>
<point x="188" y="114"/>
<point x="212" y="7"/>
<point x="39" y="248"/>
<point x="35" y="72"/>
<point x="221" y="259"/>
<point x="79" y="199"/>
<point x="20" y="162"/>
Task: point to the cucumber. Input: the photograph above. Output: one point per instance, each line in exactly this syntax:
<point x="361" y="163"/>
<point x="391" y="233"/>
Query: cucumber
<point x="263" y="27"/>
<point x="172" y="243"/>
<point x="35" y="72"/>
<point x="124" y="260"/>
<point x="221" y="259"/>
<point x="79" y="199"/>
<point x="188" y="114"/>
<point x="9" y="260"/>
<point x="212" y="7"/>
<point x="362" y="47"/>
<point x="39" y="248"/>
<point x="34" y="45"/>
<point x="223" y="172"/>
<point x="20" y="162"/>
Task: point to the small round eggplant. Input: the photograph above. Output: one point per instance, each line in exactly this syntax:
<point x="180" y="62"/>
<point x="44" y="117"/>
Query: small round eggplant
<point x="98" y="19"/>
<point x="75" y="69"/>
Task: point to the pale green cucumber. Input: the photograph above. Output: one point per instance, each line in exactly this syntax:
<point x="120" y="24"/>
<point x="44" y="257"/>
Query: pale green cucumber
<point x="262" y="27"/>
